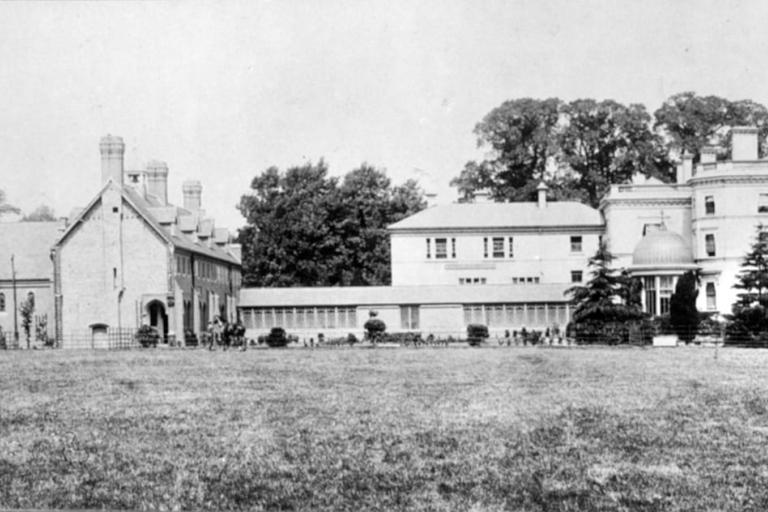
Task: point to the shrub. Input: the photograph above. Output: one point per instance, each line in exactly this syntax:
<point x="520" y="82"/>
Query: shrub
<point x="476" y="334"/>
<point x="402" y="338"/>
<point x="190" y="338"/>
<point x="277" y="337"/>
<point x="374" y="328"/>
<point x="147" y="336"/>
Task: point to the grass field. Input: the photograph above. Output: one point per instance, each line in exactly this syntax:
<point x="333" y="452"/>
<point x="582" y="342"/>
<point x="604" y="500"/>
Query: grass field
<point x="427" y="429"/>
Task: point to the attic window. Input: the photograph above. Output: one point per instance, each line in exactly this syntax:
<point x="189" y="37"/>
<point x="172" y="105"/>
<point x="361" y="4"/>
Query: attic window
<point x="114" y="209"/>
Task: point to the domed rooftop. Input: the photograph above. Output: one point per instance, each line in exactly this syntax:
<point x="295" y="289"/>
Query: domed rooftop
<point x="661" y="248"/>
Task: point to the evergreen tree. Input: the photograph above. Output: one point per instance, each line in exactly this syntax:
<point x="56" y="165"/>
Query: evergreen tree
<point x="683" y="314"/>
<point x="604" y="298"/>
<point x="753" y="277"/>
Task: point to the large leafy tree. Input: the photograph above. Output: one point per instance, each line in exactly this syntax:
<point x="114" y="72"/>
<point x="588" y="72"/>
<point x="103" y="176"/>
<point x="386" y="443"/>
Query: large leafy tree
<point x="42" y="213"/>
<point x="579" y="149"/>
<point x="689" y="122"/>
<point x="603" y="297"/>
<point x="520" y="135"/>
<point x="5" y="207"/>
<point x="606" y="142"/>
<point x="683" y="314"/>
<point x="305" y="228"/>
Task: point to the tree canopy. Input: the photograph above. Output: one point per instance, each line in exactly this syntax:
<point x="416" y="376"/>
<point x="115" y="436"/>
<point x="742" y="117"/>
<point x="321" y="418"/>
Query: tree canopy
<point x="306" y="228"/>
<point x="5" y="207"/>
<point x="580" y="148"/>
<point x="42" y="213"/>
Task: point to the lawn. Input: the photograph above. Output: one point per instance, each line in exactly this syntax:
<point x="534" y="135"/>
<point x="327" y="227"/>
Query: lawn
<point x="382" y="429"/>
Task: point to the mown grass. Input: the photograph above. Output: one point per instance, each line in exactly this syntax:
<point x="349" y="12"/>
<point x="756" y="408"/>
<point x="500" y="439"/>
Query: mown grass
<point x="427" y="429"/>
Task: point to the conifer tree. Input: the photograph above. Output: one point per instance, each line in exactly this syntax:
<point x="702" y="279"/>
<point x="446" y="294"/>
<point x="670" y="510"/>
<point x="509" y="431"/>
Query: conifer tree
<point x="683" y="314"/>
<point x="753" y="277"/>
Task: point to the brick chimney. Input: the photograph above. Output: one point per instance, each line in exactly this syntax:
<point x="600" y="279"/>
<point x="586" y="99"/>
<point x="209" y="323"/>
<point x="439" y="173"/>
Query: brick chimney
<point x="112" y="150"/>
<point x="157" y="180"/>
<point x="193" y="190"/>
<point x="743" y="143"/>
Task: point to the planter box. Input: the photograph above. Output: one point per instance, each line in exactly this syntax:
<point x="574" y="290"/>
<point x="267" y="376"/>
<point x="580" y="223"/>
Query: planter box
<point x="665" y="340"/>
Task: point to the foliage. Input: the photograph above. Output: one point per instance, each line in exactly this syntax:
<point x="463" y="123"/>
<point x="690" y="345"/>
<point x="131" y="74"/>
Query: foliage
<point x="476" y="334"/>
<point x="41" y="331"/>
<point x="3" y="339"/>
<point x="147" y="336"/>
<point x="5" y="207"/>
<point x="690" y="122"/>
<point x="27" y="311"/>
<point x="42" y="213"/>
<point x="304" y="228"/>
<point x="683" y="314"/>
<point x="579" y="149"/>
<point x="277" y="337"/>
<point x="749" y="318"/>
<point x="604" y="297"/>
<point x="374" y="327"/>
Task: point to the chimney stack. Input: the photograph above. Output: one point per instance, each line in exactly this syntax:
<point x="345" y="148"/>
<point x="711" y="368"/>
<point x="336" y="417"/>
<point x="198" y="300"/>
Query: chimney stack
<point x="708" y="155"/>
<point x="112" y="150"/>
<point x="685" y="168"/>
<point x="542" y="191"/>
<point x="157" y="180"/>
<point x="192" y="191"/>
<point x="743" y="143"/>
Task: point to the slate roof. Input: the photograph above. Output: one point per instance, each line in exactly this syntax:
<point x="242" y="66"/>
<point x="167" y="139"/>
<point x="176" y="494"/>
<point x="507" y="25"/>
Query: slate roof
<point x="383" y="295"/>
<point x="501" y="215"/>
<point x="30" y="243"/>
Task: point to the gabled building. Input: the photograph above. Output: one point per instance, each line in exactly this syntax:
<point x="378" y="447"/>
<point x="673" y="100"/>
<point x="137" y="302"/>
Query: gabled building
<point x="130" y="258"/>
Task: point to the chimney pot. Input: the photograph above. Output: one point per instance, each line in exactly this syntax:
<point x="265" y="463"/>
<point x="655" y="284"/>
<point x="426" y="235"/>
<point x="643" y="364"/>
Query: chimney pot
<point x="542" y="192"/>
<point x="193" y="191"/>
<point x="157" y="180"/>
<point x="112" y="150"/>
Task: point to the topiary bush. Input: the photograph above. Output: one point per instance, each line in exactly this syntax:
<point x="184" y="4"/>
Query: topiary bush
<point x="147" y="336"/>
<point x="374" y="327"/>
<point x="476" y="334"/>
<point x="277" y="338"/>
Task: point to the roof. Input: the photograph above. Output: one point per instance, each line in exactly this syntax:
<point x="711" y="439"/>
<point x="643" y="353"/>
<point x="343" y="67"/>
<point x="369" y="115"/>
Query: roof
<point x="392" y="295"/>
<point x="145" y="209"/>
<point x="661" y="247"/>
<point x="30" y="243"/>
<point x="502" y="215"/>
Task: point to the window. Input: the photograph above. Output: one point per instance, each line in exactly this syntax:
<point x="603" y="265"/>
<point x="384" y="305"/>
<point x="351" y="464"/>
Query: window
<point x="711" y="296"/>
<point x="453" y="248"/>
<point x="31" y="299"/>
<point x="576" y="276"/>
<point x="709" y="243"/>
<point x="498" y="247"/>
<point x="485" y="247"/>
<point x="649" y="285"/>
<point x="441" y="248"/>
<point x="409" y="317"/>
<point x="511" y="249"/>
<point x="575" y="244"/>
<point x="472" y="280"/>
<point x="666" y="287"/>
<point x="762" y="203"/>
<point x="2" y="302"/>
<point x="709" y="205"/>
<point x="428" y="251"/>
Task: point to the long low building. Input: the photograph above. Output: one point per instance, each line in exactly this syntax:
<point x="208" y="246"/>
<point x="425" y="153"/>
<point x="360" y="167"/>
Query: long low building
<point x="439" y="310"/>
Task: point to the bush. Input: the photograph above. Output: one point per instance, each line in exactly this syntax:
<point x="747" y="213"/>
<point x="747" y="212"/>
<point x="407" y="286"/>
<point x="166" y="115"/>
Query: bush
<point x="401" y="338"/>
<point x="190" y="338"/>
<point x="476" y="334"/>
<point x="609" y="333"/>
<point x="277" y="337"/>
<point x="374" y="328"/>
<point x="147" y="336"/>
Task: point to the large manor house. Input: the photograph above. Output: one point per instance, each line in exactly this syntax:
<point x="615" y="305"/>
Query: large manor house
<point x="131" y="258"/>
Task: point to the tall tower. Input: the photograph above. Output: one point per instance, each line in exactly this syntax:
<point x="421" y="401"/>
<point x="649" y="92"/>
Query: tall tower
<point x="112" y="150"/>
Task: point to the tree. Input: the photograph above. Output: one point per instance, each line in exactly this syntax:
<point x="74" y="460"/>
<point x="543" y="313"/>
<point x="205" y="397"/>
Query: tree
<point x="305" y="229"/>
<point x="683" y="315"/>
<point x="750" y="312"/>
<point x="5" y="207"/>
<point x="27" y="310"/>
<point x="606" y="142"/>
<point x="690" y="122"/>
<point x="601" y="298"/>
<point x="521" y="136"/>
<point x="42" y="213"/>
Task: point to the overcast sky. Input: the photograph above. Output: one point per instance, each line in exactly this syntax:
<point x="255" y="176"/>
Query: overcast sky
<point x="223" y="90"/>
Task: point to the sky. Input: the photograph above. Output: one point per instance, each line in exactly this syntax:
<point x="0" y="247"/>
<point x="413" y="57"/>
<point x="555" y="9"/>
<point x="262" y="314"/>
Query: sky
<point x="222" y="90"/>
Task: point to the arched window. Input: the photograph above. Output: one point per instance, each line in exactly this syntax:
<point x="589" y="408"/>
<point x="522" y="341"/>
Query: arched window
<point x="2" y="302"/>
<point x="31" y="299"/>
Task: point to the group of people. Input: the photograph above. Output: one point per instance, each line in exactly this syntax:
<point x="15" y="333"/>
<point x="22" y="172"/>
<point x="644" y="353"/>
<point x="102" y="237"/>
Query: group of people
<point x="223" y="333"/>
<point x="524" y="337"/>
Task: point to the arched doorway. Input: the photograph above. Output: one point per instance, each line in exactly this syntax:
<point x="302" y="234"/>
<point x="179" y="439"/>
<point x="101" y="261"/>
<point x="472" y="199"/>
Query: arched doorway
<point x="158" y="319"/>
